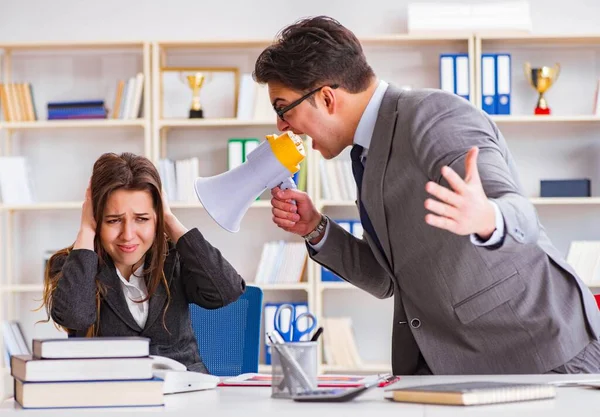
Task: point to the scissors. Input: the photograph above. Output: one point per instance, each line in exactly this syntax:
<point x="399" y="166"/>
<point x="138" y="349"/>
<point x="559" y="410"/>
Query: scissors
<point x="286" y="323"/>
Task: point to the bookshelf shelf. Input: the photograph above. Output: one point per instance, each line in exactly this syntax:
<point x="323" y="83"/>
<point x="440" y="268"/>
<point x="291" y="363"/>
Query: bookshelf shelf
<point x="61" y="205"/>
<point x="541" y="201"/>
<point x="301" y="286"/>
<point x="87" y="45"/>
<point x="546" y="119"/>
<point x="224" y="122"/>
<point x="197" y="205"/>
<point x="336" y="203"/>
<point x="548" y="39"/>
<point x="76" y="205"/>
<point x="22" y="288"/>
<point x="415" y="40"/>
<point x="336" y="286"/>
<point x="555" y="201"/>
<point x="73" y="124"/>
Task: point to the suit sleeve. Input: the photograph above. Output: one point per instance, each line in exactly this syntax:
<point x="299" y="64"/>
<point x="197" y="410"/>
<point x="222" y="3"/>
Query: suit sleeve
<point x="74" y="299"/>
<point x="208" y="278"/>
<point x="446" y="128"/>
<point x="352" y="259"/>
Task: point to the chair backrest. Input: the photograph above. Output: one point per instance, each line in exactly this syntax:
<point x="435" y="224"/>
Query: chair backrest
<point x="229" y="337"/>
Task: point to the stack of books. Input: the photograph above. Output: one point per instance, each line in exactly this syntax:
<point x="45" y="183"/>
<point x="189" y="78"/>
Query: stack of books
<point x="68" y="110"/>
<point x="86" y="372"/>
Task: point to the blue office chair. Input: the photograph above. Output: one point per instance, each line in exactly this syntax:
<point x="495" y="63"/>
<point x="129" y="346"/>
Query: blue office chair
<point x="229" y="337"/>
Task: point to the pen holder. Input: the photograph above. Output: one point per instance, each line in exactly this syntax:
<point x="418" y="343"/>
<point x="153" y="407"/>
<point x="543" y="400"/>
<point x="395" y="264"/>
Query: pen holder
<point x="294" y="367"/>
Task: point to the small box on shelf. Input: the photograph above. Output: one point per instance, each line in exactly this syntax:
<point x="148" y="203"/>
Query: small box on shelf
<point x="565" y="188"/>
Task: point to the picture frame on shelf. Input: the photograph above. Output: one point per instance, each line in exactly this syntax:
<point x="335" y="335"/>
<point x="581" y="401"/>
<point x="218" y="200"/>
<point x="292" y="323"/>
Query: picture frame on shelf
<point x="216" y="89"/>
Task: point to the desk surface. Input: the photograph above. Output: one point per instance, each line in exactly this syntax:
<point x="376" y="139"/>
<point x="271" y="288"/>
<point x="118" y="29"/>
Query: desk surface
<point x="257" y="402"/>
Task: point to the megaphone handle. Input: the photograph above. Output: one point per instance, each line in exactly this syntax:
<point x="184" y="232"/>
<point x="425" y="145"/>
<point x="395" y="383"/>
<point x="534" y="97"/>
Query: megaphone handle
<point x="287" y="184"/>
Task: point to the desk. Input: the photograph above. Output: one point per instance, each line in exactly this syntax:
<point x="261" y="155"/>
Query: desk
<point x="256" y="402"/>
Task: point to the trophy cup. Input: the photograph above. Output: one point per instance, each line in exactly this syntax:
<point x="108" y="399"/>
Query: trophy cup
<point x="542" y="79"/>
<point x="195" y="82"/>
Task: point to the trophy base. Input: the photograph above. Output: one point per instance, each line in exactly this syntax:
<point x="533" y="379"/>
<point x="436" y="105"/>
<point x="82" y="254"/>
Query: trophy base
<point x="196" y="114"/>
<point x="540" y="111"/>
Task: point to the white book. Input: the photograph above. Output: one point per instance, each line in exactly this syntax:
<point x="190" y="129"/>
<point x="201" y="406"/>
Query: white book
<point x="14" y="181"/>
<point x="91" y="347"/>
<point x="261" y="264"/>
<point x="180" y="172"/>
<point x="136" y="102"/>
<point x="123" y="393"/>
<point x="194" y="167"/>
<point x="263" y="109"/>
<point x="25" y="368"/>
<point x="235" y="154"/>
<point x="246" y="98"/>
<point x="171" y="179"/>
<point x="129" y="98"/>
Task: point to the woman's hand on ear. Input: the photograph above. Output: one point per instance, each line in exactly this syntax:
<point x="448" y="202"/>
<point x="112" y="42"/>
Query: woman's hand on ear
<point x="87" y="229"/>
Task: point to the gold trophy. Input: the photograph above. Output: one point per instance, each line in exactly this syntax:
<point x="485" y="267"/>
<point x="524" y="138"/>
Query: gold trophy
<point x="542" y="79"/>
<point x="195" y="82"/>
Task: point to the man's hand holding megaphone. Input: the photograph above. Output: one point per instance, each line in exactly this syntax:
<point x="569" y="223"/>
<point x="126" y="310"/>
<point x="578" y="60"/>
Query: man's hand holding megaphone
<point x="301" y="218"/>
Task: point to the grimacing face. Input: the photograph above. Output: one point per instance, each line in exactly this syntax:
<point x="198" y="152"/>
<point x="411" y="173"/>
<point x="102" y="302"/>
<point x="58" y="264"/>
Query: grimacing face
<point x="128" y="228"/>
<point x="319" y="121"/>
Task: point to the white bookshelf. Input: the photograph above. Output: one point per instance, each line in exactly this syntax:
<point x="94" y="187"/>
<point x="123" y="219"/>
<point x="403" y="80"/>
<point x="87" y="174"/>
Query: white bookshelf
<point x="561" y="144"/>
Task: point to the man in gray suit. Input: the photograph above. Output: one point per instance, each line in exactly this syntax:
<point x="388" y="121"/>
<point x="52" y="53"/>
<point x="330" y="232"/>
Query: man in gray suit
<point x="478" y="287"/>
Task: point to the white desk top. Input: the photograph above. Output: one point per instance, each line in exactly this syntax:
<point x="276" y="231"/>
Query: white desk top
<point x="257" y="402"/>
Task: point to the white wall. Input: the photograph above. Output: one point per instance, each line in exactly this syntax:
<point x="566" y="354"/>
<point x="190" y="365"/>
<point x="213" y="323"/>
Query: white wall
<point x="31" y="20"/>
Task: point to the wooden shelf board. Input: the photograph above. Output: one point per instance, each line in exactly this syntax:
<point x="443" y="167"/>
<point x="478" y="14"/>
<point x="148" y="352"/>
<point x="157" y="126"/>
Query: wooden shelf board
<point x="546" y="119"/>
<point x="224" y="122"/>
<point x="61" y="205"/>
<point x="22" y="288"/>
<point x="71" y="45"/>
<point x="73" y="124"/>
<point x="551" y="39"/>
<point x="365" y="40"/>
<point x="553" y="201"/>
<point x="198" y="205"/>
<point x="337" y="203"/>
<point x="281" y="287"/>
<point x="342" y="285"/>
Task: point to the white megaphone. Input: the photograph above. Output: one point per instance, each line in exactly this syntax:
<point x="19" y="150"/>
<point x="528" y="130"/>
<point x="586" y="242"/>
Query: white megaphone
<point x="227" y="196"/>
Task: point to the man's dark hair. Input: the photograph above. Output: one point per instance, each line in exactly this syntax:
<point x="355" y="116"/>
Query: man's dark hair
<point x="313" y="52"/>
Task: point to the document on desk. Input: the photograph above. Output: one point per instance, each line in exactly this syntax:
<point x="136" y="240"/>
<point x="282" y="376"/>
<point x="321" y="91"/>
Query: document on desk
<point x="324" y="381"/>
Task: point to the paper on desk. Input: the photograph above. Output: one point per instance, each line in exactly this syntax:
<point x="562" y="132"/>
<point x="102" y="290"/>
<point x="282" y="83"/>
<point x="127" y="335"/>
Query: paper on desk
<point x="329" y="380"/>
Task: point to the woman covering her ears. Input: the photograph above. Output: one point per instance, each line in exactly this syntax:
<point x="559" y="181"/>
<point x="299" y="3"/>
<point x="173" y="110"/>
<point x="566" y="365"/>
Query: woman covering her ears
<point x="134" y="268"/>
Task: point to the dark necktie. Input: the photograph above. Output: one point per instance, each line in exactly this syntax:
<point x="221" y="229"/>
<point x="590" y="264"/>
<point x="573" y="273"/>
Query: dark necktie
<point x="358" y="170"/>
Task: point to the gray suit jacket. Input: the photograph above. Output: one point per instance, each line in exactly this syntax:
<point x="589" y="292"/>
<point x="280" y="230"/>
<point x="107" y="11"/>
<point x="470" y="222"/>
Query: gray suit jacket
<point x="514" y="308"/>
<point x="196" y="272"/>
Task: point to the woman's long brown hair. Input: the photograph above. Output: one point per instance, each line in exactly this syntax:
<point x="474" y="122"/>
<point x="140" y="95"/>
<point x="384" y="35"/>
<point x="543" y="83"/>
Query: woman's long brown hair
<point x="113" y="172"/>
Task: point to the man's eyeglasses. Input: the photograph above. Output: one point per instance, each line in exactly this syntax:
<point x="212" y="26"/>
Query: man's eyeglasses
<point x="281" y="111"/>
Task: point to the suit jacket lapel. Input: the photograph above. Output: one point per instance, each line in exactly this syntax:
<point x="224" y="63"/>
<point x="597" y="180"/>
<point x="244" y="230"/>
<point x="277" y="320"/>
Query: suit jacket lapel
<point x="375" y="167"/>
<point x="114" y="295"/>
<point x="159" y="298"/>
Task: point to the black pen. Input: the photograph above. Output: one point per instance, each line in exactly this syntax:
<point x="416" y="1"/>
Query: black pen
<point x="317" y="334"/>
